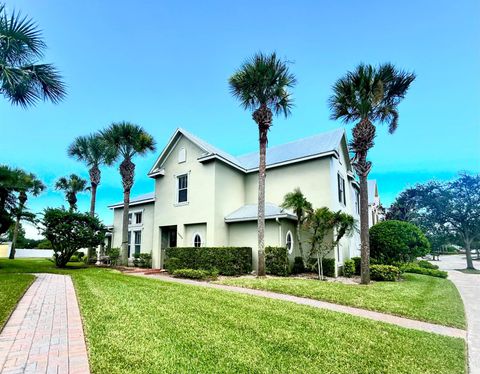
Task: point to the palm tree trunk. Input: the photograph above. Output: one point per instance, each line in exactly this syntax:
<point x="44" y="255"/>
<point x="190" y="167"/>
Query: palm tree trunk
<point x="126" y="204"/>
<point x="364" y="234"/>
<point x="261" y="202"/>
<point x="127" y="171"/>
<point x="299" y="241"/>
<point x="15" y="236"/>
<point x="93" y="200"/>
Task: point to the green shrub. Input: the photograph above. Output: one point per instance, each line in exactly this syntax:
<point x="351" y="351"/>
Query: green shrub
<point x="74" y="258"/>
<point x="427" y="265"/>
<point x="172" y="264"/>
<point x="397" y="241"/>
<point x="358" y="264"/>
<point x="348" y="268"/>
<point x="276" y="261"/>
<point x="114" y="255"/>
<point x="327" y="263"/>
<point x="298" y="266"/>
<point x="227" y="260"/>
<point x="142" y="260"/>
<point x="387" y="273"/>
<point x="414" y="268"/>
<point x="195" y="274"/>
<point x="80" y="255"/>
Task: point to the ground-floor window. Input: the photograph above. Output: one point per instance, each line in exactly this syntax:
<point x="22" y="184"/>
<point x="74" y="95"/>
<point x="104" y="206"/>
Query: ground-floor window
<point x="138" y="241"/>
<point x="197" y="240"/>
<point x="289" y="242"/>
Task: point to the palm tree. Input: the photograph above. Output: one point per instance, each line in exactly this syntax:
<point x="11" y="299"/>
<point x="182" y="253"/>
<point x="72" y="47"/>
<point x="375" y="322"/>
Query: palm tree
<point x="27" y="184"/>
<point x="22" y="80"/>
<point x="297" y="201"/>
<point x="368" y="95"/>
<point x="71" y="186"/>
<point x="261" y="85"/>
<point x="127" y="140"/>
<point x="94" y="152"/>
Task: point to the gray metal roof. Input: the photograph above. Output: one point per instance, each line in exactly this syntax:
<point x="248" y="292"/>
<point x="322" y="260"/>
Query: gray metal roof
<point x="299" y="149"/>
<point x="250" y="213"/>
<point x="137" y="200"/>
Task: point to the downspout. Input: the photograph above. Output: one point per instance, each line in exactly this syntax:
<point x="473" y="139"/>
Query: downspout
<point x="279" y="231"/>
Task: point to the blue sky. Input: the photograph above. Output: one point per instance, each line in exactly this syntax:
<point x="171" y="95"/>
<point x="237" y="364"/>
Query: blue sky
<point x="164" y="65"/>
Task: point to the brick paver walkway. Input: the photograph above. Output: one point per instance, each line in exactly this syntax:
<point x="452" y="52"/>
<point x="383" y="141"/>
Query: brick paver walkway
<point x="377" y="316"/>
<point x="44" y="333"/>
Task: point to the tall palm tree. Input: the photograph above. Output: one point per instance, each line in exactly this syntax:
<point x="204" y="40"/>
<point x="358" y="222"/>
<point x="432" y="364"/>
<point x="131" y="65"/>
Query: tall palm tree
<point x="368" y="95"/>
<point x="297" y="201"/>
<point x="94" y="152"/>
<point x="71" y="187"/>
<point x="127" y="140"/>
<point x="261" y="85"/>
<point x="22" y="80"/>
<point x="27" y="184"/>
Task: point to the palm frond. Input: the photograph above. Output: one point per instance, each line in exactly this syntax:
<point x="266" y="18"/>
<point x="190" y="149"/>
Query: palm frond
<point x="264" y="80"/>
<point x="127" y="139"/>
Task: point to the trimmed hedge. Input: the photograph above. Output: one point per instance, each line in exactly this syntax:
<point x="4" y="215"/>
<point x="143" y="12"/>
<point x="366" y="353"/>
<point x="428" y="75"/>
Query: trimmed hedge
<point x="348" y="268"/>
<point x="413" y="268"/>
<point x="328" y="266"/>
<point x="397" y="241"/>
<point x="426" y="265"/>
<point x="226" y="260"/>
<point x="386" y="273"/>
<point x="196" y="274"/>
<point x="358" y="264"/>
<point x="276" y="261"/>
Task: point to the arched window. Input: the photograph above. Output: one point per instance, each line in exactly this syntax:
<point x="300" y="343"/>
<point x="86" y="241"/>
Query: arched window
<point x="182" y="155"/>
<point x="197" y="240"/>
<point x="289" y="242"/>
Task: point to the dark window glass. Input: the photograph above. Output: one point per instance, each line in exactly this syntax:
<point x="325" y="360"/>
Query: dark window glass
<point x="197" y="241"/>
<point x="289" y="242"/>
<point x="138" y="241"/>
<point x="128" y="243"/>
<point x="341" y="189"/>
<point x="183" y="188"/>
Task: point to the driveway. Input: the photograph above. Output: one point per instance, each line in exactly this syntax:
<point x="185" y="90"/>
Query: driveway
<point x="469" y="287"/>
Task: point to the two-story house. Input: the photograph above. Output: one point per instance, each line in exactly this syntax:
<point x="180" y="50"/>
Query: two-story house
<point x="206" y="197"/>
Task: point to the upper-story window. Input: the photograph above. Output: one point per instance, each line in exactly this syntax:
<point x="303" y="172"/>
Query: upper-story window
<point x="289" y="242"/>
<point x="182" y="184"/>
<point x="129" y="218"/>
<point x="341" y="189"/>
<point x="197" y="240"/>
<point x="138" y="218"/>
<point x="182" y="155"/>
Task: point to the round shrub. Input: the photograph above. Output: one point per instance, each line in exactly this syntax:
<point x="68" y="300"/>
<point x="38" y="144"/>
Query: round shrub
<point x="386" y="273"/>
<point x="349" y="268"/>
<point x="397" y="241"/>
<point x="298" y="266"/>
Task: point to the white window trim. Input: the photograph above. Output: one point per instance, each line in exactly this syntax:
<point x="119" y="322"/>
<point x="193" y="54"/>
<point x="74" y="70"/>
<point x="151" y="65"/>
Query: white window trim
<point x="132" y="212"/>
<point x="202" y="243"/>
<point x="290" y="251"/>
<point x="344" y="192"/>
<point x="176" y="176"/>
<point x="184" y="155"/>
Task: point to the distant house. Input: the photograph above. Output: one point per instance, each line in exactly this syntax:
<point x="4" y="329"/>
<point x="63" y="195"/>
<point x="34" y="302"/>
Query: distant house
<point x="206" y="197"/>
<point x="376" y="212"/>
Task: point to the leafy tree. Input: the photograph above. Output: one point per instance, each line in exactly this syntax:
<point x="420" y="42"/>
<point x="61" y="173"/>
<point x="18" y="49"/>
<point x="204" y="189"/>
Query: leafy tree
<point x="26" y="184"/>
<point x="326" y="229"/>
<point x="261" y="85"/>
<point x="8" y="183"/>
<point x="23" y="81"/>
<point x="45" y="244"/>
<point x="297" y="201"/>
<point x="397" y="241"/>
<point x="71" y="186"/>
<point x="453" y="207"/>
<point x="69" y="231"/>
<point x="368" y="95"/>
<point x="94" y="152"/>
<point x="127" y="140"/>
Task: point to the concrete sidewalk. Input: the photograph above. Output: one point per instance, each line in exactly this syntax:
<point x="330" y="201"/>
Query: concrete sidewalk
<point x="44" y="333"/>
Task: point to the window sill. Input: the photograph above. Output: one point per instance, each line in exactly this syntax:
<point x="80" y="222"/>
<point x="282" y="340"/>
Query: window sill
<point x="181" y="204"/>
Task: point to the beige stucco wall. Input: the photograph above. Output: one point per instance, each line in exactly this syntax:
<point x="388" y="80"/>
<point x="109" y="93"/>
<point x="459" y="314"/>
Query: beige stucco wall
<point x="146" y="226"/>
<point x="191" y="231"/>
<point x="201" y="192"/>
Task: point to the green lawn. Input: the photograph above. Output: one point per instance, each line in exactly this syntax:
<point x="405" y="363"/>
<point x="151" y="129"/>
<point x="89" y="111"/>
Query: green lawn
<point x="417" y="296"/>
<point x="140" y="325"/>
<point x="35" y="265"/>
<point x="12" y="288"/>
